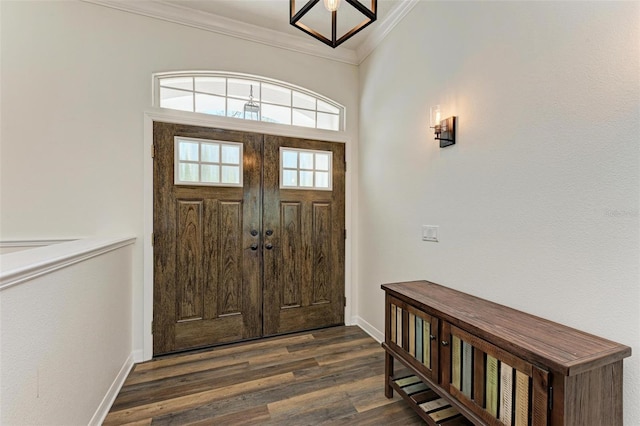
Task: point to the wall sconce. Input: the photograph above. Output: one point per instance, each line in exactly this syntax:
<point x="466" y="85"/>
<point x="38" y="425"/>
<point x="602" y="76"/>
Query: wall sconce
<point x="445" y="130"/>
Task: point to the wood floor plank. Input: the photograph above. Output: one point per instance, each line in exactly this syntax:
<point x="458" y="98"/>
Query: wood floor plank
<point x="202" y="381"/>
<point x="192" y="400"/>
<point x="329" y="376"/>
<point x="306" y="382"/>
<point x="244" y="348"/>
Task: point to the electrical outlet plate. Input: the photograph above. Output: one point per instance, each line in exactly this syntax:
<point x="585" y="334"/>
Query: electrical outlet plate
<point x="430" y="233"/>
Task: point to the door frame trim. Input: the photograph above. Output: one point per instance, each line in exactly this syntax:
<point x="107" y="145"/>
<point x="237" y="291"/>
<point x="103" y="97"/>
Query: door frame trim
<point x="193" y="119"/>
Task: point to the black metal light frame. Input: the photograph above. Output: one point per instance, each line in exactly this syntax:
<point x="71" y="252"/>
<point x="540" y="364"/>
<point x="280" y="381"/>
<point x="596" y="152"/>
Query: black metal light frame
<point x="334" y="42"/>
<point x="446" y="133"/>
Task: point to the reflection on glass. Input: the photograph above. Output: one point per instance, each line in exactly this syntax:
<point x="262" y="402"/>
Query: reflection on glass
<point x="230" y="174"/>
<point x="322" y="180"/>
<point x="325" y="107"/>
<point x="230" y="154"/>
<point x="178" y="82"/>
<point x="241" y="89"/>
<point x="176" y="99"/>
<point x="290" y="178"/>
<point x="306" y="160"/>
<point x="210" y="152"/>
<point x="276" y="114"/>
<point x="290" y="159"/>
<point x="276" y="94"/>
<point x="328" y="121"/>
<point x="188" y="151"/>
<point x="306" y="178"/>
<point x="213" y="85"/>
<point x="210" y="173"/>
<point x="235" y="108"/>
<point x="207" y="104"/>
<point x="227" y="96"/>
<point x="304" y="118"/>
<point x="322" y="162"/>
<point x="188" y="172"/>
<point x="301" y="100"/>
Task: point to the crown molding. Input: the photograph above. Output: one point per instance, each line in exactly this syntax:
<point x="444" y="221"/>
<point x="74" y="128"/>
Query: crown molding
<point x="230" y="27"/>
<point x="379" y="32"/>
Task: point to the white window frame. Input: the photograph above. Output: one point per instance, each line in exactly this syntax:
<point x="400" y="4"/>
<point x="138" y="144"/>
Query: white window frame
<point x="298" y="170"/>
<point x="340" y="115"/>
<point x="177" y="161"/>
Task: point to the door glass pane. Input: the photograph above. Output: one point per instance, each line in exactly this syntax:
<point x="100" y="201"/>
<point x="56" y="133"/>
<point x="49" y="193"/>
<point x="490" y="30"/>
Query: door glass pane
<point x="290" y="178"/>
<point x="189" y="172"/>
<point x="305" y="169"/>
<point x="212" y="85"/>
<point x="207" y="104"/>
<point x="210" y="152"/>
<point x="210" y="173"/>
<point x="207" y="162"/>
<point x="230" y="154"/>
<point x="322" y="179"/>
<point x="290" y="159"/>
<point x="230" y="174"/>
<point x="322" y="162"/>
<point x="276" y="94"/>
<point x="188" y="151"/>
<point x="306" y="160"/>
<point x="306" y="178"/>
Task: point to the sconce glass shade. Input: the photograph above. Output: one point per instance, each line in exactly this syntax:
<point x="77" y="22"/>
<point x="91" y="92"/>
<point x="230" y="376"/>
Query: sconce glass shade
<point x="435" y="119"/>
<point x="332" y="5"/>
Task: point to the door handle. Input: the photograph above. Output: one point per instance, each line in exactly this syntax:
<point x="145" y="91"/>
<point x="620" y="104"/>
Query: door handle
<point x="254" y="247"/>
<point x="269" y="232"/>
<point x="445" y="343"/>
<point x="268" y="246"/>
<point x="254" y="232"/>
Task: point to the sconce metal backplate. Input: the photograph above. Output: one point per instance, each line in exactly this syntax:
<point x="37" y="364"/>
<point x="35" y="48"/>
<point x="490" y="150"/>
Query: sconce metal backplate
<point x="447" y="135"/>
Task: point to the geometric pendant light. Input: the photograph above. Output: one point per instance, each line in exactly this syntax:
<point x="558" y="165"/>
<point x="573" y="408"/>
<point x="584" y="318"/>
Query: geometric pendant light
<point x="330" y="37"/>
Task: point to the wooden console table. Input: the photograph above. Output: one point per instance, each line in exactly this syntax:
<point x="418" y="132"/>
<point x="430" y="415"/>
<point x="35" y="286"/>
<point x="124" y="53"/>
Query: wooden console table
<point x="476" y="362"/>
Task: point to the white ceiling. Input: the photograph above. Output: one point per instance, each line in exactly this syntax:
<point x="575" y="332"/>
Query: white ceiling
<point x="274" y="14"/>
<point x="267" y="21"/>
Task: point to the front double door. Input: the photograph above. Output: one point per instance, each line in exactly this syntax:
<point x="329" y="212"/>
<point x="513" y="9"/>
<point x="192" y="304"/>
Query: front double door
<point x="257" y="256"/>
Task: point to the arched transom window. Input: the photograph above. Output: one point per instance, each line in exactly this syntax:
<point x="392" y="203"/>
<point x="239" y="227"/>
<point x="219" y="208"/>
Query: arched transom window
<point x="247" y="97"/>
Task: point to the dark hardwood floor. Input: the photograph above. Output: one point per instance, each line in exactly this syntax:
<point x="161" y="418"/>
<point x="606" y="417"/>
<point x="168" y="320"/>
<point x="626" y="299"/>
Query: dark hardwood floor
<point x="331" y="376"/>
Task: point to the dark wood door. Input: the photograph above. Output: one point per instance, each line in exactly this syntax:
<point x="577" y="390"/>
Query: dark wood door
<point x="207" y="277"/>
<point x="236" y="263"/>
<point x="304" y="253"/>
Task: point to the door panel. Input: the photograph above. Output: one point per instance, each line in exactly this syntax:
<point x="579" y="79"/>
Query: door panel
<point x="207" y="278"/>
<point x="304" y="245"/>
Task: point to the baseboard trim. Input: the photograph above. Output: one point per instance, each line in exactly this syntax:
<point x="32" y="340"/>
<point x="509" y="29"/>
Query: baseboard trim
<point x="112" y="393"/>
<point x="368" y="328"/>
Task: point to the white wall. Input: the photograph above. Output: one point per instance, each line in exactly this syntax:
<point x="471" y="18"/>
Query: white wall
<point x="538" y="201"/>
<point x="65" y="331"/>
<point x="76" y="79"/>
